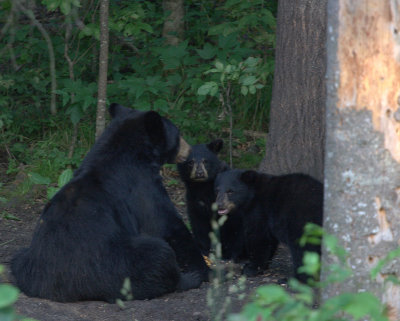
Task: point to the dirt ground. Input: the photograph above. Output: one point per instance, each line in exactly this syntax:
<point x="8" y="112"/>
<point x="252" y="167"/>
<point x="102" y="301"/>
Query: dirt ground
<point x="17" y="220"/>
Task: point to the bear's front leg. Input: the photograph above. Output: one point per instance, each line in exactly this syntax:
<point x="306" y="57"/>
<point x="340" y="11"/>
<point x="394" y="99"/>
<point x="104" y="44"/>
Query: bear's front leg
<point x="260" y="249"/>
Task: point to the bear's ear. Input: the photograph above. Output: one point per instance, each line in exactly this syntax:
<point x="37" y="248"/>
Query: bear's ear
<point x="215" y="146"/>
<point x="154" y="127"/>
<point x="250" y="178"/>
<point x="117" y="110"/>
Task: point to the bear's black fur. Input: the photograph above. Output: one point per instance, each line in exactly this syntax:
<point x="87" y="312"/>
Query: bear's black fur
<point x="198" y="173"/>
<point x="274" y="209"/>
<point x="114" y="220"/>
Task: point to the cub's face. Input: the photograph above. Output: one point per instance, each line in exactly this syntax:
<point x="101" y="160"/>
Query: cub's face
<point x="232" y="193"/>
<point x="202" y="164"/>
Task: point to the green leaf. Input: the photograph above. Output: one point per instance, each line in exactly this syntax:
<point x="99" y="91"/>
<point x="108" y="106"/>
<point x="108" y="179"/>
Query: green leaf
<point x="8" y="295"/>
<point x="389" y="257"/>
<point x="269" y="18"/>
<point x="311" y="263"/>
<point x="11" y="217"/>
<point x="51" y="4"/>
<point x="248" y="80"/>
<point x="65" y="7"/>
<point x="272" y="293"/>
<point x="231" y="3"/>
<point x="244" y="90"/>
<point x="361" y="304"/>
<point x="144" y="26"/>
<point x="161" y="105"/>
<point x="219" y="66"/>
<point x="209" y="88"/>
<point x="207" y="52"/>
<point x="221" y="29"/>
<point x="65" y="177"/>
<point x="38" y="179"/>
<point x="51" y="191"/>
<point x="251" y="62"/>
<point x="75" y="114"/>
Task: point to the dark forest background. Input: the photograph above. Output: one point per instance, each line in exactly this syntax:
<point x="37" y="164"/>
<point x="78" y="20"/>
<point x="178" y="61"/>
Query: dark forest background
<point x="215" y="81"/>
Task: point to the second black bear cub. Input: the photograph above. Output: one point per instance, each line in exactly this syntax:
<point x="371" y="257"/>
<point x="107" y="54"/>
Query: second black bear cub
<point x="198" y="173"/>
<point x="274" y="209"/>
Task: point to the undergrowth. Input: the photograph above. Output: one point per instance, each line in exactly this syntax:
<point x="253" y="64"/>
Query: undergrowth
<point x="215" y="83"/>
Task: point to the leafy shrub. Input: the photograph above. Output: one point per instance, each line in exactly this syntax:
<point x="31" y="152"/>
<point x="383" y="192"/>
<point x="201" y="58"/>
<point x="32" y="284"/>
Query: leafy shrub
<point x="8" y="296"/>
<point x="272" y="302"/>
<point x="143" y="73"/>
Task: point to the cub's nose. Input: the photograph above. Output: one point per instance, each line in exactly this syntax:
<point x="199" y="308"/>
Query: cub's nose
<point x="199" y="174"/>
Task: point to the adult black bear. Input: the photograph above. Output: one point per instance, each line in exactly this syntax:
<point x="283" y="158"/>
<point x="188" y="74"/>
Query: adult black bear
<point x="114" y="220"/>
<point x="198" y="173"/>
<point x="274" y="209"/>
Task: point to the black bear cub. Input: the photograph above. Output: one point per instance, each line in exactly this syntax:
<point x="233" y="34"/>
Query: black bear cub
<point x="198" y="173"/>
<point x="114" y="220"/>
<point x="274" y="209"/>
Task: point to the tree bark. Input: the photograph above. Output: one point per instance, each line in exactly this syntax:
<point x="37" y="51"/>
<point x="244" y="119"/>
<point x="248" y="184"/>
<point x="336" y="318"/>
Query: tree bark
<point x="362" y="170"/>
<point x="103" y="66"/>
<point x="296" y="138"/>
<point x="173" y="28"/>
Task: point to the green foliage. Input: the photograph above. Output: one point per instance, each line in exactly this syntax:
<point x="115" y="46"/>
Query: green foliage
<point x="63" y="179"/>
<point x="272" y="302"/>
<point x="248" y="75"/>
<point x="235" y="36"/>
<point x="126" y="291"/>
<point x="387" y="259"/>
<point x="8" y="296"/>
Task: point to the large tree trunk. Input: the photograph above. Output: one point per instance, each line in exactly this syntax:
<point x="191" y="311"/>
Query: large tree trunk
<point x="103" y="66"/>
<point x="362" y="171"/>
<point x="295" y="141"/>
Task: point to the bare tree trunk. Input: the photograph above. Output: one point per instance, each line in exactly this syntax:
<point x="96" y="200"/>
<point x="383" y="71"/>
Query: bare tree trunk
<point x="295" y="141"/>
<point x="362" y="172"/>
<point x="103" y="66"/>
<point x="173" y="28"/>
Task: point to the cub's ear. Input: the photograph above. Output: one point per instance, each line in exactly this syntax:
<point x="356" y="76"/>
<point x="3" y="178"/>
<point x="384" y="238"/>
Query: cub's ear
<point x="215" y="146"/>
<point x="250" y="178"/>
<point x="117" y="110"/>
<point x="154" y="127"/>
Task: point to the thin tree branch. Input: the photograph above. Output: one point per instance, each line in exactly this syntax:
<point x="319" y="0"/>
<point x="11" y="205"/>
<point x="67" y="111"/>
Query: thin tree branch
<point x="103" y="66"/>
<point x="71" y="64"/>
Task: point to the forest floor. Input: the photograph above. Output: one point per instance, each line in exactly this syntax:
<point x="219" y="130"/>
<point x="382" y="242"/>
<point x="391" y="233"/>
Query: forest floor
<point x="18" y="217"/>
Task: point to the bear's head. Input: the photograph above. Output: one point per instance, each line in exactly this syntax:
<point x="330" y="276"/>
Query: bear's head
<point x="149" y="134"/>
<point x="202" y="164"/>
<point x="233" y="190"/>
